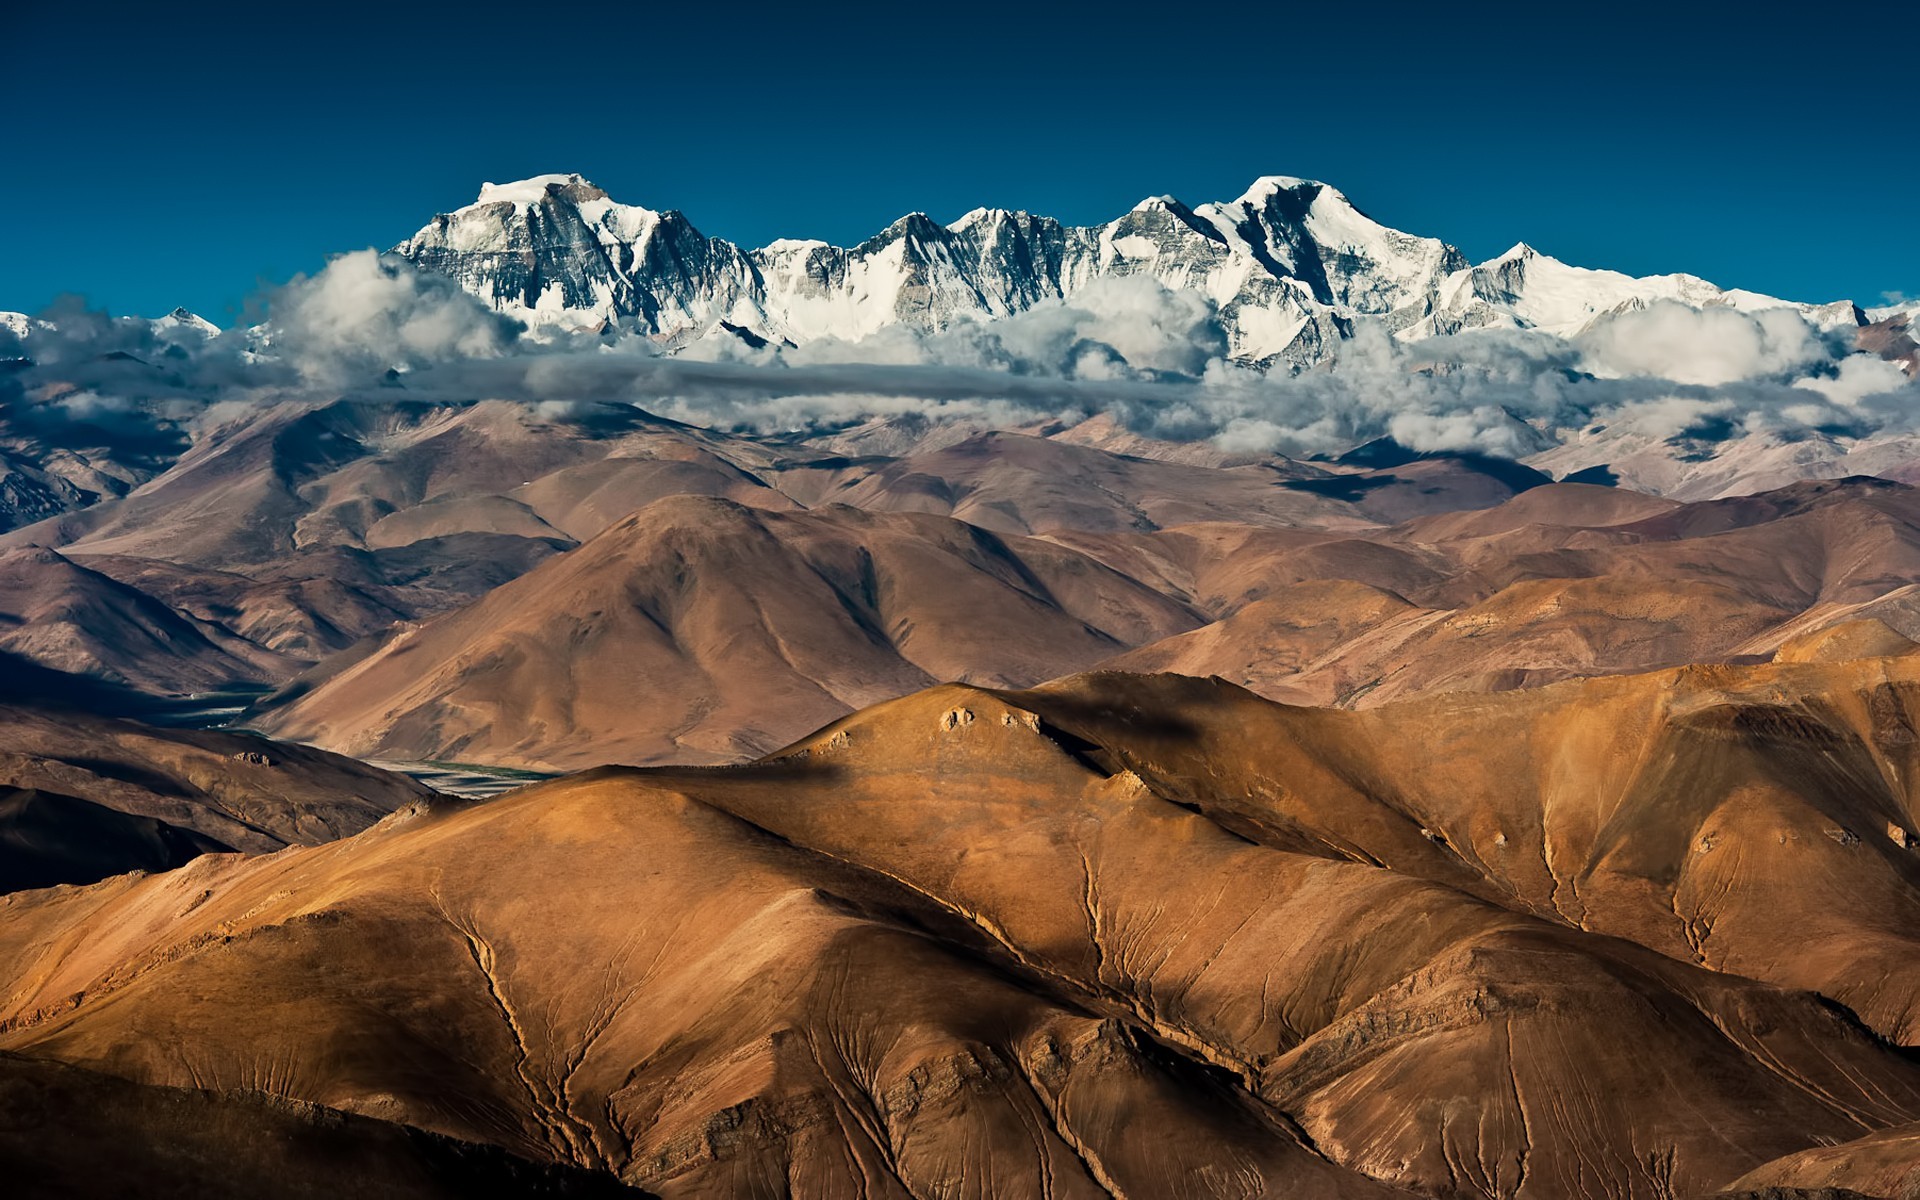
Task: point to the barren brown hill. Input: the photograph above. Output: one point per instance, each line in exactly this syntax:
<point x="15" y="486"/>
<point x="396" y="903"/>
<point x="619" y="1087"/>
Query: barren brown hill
<point x="304" y="617"/>
<point x="1561" y="582"/>
<point x="62" y="615"/>
<point x="104" y="795"/>
<point x="1868" y="637"/>
<point x="1316" y="642"/>
<point x="1319" y="644"/>
<point x="1219" y="566"/>
<point x="1417" y="485"/>
<point x="1557" y="506"/>
<point x="742" y="628"/>
<point x="1117" y="936"/>
<point x="701" y="630"/>
<point x="1019" y="483"/>
<point x="381" y="472"/>
<point x="343" y="545"/>
<point x="295" y="529"/>
<point x="292" y="529"/>
<point x="1758" y="820"/>
<point x="1885" y="1163"/>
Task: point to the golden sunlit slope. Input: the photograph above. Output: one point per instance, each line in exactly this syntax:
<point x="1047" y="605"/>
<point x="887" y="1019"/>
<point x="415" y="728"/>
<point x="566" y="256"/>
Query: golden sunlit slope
<point x="1120" y="935"/>
<point x="1756" y="820"/>
<point x="736" y="1017"/>
<point x="1885" y="1163"/>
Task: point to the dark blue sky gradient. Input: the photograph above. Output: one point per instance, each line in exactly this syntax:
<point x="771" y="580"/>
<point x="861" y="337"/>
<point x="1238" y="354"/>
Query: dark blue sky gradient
<point x="186" y="153"/>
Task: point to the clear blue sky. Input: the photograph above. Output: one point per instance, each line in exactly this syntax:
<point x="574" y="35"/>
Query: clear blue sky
<point x="166" y="154"/>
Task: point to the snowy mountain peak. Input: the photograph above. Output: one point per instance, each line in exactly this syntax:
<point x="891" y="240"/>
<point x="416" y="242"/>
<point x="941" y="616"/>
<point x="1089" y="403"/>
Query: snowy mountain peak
<point x="188" y="321"/>
<point x="536" y="189"/>
<point x="913" y="222"/>
<point x="982" y="216"/>
<point x="1269" y="185"/>
<point x="1290" y="267"/>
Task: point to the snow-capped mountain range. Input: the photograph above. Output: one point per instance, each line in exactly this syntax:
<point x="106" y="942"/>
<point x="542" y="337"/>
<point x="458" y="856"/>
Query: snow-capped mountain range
<point x="179" y="323"/>
<point x="1291" y="266"/>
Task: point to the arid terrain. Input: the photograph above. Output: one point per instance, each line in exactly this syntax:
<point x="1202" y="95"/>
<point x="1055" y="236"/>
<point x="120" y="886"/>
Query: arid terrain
<point x="1234" y="700"/>
<point x="477" y="582"/>
<point x="1141" y="935"/>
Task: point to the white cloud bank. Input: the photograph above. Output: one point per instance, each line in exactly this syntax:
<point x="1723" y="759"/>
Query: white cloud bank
<point x="1129" y="346"/>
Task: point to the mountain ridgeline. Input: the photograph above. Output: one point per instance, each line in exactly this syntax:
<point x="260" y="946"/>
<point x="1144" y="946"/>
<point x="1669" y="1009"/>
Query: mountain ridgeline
<point x="1291" y="264"/>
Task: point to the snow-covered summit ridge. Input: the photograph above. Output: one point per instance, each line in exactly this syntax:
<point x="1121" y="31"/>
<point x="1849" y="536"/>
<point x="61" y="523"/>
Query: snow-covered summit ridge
<point x="1291" y="265"/>
<point x="530" y="191"/>
<point x="181" y="321"/>
<point x="186" y="321"/>
<point x="1267" y="185"/>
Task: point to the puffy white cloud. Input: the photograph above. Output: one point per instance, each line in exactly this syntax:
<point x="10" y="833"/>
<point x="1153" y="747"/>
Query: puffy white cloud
<point x="1703" y="346"/>
<point x="365" y="311"/>
<point x="1856" y="378"/>
<point x="1663" y="417"/>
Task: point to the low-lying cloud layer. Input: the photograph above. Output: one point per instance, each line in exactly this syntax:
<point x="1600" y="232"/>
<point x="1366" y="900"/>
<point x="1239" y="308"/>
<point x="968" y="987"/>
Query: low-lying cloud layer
<point x="1128" y="346"/>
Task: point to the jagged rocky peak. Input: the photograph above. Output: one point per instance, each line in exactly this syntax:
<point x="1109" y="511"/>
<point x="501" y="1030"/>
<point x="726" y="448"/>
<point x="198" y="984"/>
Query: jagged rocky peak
<point x="1291" y="264"/>
<point x="913" y="225"/>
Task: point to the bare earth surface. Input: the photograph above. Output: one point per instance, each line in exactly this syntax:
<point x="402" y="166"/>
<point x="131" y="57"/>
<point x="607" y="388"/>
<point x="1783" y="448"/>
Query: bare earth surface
<point x="1044" y="812"/>
<point x="1120" y="935"/>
